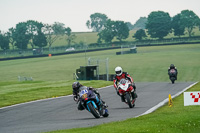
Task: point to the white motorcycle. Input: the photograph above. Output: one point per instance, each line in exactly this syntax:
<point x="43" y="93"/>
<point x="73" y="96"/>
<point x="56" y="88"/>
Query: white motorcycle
<point x="126" y="90"/>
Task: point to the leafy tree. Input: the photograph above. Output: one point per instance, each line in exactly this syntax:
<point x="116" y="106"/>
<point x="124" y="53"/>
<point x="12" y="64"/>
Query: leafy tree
<point x="48" y="31"/>
<point x="130" y="26"/>
<point x="70" y="36"/>
<point x="97" y="22"/>
<point x="80" y="45"/>
<point x="53" y="32"/>
<point x="140" y="34"/>
<point x="199" y="26"/>
<point x="189" y="20"/>
<point x="40" y="40"/>
<point x="140" y="23"/>
<point x="118" y="29"/>
<point x="108" y="33"/>
<point x="121" y="30"/>
<point x="158" y="24"/>
<point x="88" y="24"/>
<point x="25" y="33"/>
<point x="176" y="25"/>
<point x="10" y="36"/>
<point x="20" y="36"/>
<point x="58" y="28"/>
<point x="33" y="29"/>
<point x="4" y="41"/>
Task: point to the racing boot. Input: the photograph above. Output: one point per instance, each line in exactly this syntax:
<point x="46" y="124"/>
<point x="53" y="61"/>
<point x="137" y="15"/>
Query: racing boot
<point x="104" y="104"/>
<point x="134" y="95"/>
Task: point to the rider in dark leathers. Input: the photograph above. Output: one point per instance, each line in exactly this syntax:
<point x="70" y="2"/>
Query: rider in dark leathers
<point x="76" y="86"/>
<point x="172" y="66"/>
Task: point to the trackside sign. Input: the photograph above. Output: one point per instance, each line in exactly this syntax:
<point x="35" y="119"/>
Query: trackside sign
<point x="192" y="98"/>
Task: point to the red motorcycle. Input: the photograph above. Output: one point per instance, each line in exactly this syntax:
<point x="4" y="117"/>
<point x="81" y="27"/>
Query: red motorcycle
<point x="126" y="90"/>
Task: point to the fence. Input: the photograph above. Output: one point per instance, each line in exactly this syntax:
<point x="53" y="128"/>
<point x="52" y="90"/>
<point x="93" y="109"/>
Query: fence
<point x="61" y="49"/>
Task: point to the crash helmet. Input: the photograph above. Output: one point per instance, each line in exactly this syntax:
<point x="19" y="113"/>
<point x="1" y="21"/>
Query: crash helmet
<point x="118" y="71"/>
<point x="76" y="85"/>
<point x="172" y="66"/>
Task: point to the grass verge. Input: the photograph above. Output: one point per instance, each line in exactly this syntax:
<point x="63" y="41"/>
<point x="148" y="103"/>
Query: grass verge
<point x="19" y="92"/>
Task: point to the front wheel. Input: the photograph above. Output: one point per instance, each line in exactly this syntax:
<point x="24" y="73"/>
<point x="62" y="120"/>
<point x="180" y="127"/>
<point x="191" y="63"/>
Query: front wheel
<point x="93" y="110"/>
<point x="128" y="99"/>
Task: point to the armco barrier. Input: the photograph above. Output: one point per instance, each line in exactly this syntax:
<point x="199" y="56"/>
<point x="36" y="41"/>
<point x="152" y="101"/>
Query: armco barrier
<point x="90" y="50"/>
<point x="64" y="53"/>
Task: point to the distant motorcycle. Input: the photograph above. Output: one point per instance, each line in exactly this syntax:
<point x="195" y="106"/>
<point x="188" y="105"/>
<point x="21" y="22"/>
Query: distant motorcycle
<point x="90" y="101"/>
<point x="172" y="75"/>
<point x="126" y="90"/>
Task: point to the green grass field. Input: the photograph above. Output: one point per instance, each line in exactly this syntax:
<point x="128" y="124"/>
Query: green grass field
<point x="53" y="76"/>
<point x="149" y="64"/>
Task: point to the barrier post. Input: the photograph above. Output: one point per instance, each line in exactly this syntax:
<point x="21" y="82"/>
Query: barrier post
<point x="170" y="103"/>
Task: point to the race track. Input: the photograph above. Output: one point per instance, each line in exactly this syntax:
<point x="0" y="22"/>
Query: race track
<point x="62" y="113"/>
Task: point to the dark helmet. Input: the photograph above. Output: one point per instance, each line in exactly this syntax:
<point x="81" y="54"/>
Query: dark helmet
<point x="76" y="85"/>
<point x="172" y="66"/>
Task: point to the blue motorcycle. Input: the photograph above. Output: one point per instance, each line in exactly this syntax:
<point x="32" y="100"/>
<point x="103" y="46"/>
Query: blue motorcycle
<point x="91" y="102"/>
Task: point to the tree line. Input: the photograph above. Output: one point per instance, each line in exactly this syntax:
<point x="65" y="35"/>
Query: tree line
<point x="34" y="33"/>
<point x="158" y="24"/>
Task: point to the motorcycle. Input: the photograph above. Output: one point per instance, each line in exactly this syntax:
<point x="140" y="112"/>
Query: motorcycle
<point x="90" y="101"/>
<point x="172" y="75"/>
<point x="126" y="90"/>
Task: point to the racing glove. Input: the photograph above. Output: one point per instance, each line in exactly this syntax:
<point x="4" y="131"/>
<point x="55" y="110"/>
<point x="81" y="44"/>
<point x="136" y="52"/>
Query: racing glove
<point x="75" y="98"/>
<point x="117" y="91"/>
<point x="133" y="84"/>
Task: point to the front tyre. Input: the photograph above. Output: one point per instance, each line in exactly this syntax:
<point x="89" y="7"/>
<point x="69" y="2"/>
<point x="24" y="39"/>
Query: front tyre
<point x="93" y="110"/>
<point x="128" y="99"/>
<point x="172" y="80"/>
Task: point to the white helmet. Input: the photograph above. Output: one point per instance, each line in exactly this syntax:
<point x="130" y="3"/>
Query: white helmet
<point x="118" y="71"/>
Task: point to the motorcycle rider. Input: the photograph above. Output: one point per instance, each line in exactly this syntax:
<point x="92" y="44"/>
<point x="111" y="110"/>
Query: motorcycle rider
<point x="172" y="66"/>
<point x="76" y="86"/>
<point x="119" y="75"/>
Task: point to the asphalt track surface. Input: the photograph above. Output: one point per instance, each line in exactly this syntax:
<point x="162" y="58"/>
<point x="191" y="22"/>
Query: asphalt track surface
<point x="61" y="113"/>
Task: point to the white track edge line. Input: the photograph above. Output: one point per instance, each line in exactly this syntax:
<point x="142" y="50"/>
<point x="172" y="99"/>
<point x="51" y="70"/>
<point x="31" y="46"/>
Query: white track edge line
<point x="165" y="101"/>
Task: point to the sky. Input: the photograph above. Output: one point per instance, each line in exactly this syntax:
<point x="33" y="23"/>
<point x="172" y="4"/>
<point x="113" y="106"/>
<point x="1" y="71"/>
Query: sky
<point x="75" y="13"/>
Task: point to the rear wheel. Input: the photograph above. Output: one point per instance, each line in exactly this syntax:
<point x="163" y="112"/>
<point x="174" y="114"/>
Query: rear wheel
<point x="94" y="111"/>
<point x="172" y="80"/>
<point x="128" y="99"/>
